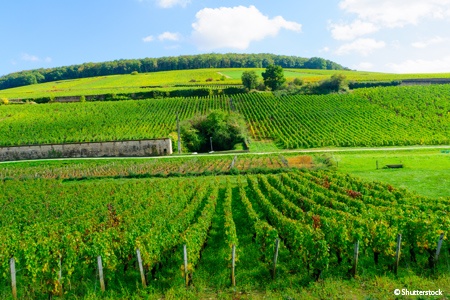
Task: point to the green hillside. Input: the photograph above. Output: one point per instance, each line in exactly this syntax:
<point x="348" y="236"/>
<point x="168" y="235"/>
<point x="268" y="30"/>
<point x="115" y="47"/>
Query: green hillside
<point x="367" y="117"/>
<point x="145" y="65"/>
<point x="214" y="78"/>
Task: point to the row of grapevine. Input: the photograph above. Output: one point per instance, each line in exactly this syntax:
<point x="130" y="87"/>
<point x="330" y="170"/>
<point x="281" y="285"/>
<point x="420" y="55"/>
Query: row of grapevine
<point x="420" y="227"/>
<point x="306" y="242"/>
<point x="142" y="167"/>
<point x="77" y="234"/>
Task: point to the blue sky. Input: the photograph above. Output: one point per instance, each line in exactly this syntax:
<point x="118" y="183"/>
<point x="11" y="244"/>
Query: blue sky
<point x="396" y="36"/>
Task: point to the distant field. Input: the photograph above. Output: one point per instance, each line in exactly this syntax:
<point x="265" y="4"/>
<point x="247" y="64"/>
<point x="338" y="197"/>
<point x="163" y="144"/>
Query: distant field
<point x="119" y="84"/>
<point x="168" y="80"/>
<point x="237" y="73"/>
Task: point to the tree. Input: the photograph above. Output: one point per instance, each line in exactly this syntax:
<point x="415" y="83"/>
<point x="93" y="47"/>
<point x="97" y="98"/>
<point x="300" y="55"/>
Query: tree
<point x="249" y="79"/>
<point x="274" y="77"/>
<point x="224" y="129"/>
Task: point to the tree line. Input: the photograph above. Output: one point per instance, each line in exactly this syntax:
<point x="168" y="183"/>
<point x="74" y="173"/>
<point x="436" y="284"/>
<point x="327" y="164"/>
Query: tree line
<point x="184" y="62"/>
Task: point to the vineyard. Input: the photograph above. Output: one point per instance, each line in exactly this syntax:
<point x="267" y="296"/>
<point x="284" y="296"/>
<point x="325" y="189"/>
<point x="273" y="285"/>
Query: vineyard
<point x="60" y="233"/>
<point x="367" y="117"/>
<point x="213" y="165"/>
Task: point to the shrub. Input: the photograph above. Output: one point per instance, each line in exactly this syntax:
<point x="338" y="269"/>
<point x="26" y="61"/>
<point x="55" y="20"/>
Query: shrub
<point x="225" y="130"/>
<point x="4" y="101"/>
<point x="249" y="79"/>
<point x="298" y="81"/>
<point x="134" y="73"/>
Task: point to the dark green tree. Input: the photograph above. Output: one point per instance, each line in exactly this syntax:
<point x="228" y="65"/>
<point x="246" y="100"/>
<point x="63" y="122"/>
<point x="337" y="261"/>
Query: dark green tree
<point x="249" y="79"/>
<point x="274" y="77"/>
<point x="337" y="83"/>
<point x="225" y="130"/>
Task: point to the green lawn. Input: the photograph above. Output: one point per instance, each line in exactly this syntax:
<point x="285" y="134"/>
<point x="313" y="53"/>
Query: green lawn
<point x="426" y="172"/>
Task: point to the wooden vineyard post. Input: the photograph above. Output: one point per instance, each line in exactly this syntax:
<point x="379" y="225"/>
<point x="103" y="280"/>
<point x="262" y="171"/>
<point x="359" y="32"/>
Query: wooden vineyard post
<point x="233" y="264"/>
<point x="100" y="273"/>
<point x="377" y="164"/>
<point x="12" y="265"/>
<point x="178" y="134"/>
<point x="233" y="162"/>
<point x="397" y="253"/>
<point x="355" y="258"/>
<point x="141" y="268"/>
<point x="185" y="258"/>
<point x="275" y="258"/>
<point x="438" y="250"/>
<point x="60" y="276"/>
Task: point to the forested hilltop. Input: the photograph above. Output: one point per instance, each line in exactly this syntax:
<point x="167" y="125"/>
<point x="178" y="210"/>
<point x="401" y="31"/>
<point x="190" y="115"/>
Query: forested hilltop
<point x="184" y="62"/>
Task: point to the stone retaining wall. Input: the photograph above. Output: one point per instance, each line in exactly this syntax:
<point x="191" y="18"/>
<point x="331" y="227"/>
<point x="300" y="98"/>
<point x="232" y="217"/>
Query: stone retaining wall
<point x="137" y="148"/>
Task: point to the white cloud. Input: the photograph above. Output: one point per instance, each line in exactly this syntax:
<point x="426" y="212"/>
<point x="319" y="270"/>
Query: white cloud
<point x="364" y="66"/>
<point x="324" y="50"/>
<point x="29" y="57"/>
<point x="172" y="3"/>
<point x="345" y="32"/>
<point x="236" y="27"/>
<point x="169" y="36"/>
<point x="361" y="46"/>
<point x="429" y="42"/>
<point x="148" y="39"/>
<point x="422" y="66"/>
<point x="397" y="13"/>
<point x="34" y="58"/>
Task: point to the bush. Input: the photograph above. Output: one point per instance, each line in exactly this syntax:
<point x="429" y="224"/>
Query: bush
<point x="4" y="101"/>
<point x="225" y="130"/>
<point x="134" y="73"/>
<point x="249" y="79"/>
<point x="298" y="81"/>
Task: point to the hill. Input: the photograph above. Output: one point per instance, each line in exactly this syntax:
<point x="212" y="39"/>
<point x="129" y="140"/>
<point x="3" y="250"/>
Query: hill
<point x="173" y="83"/>
<point x="185" y="62"/>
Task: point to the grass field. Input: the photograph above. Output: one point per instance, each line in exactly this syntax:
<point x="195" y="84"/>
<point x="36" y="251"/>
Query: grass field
<point x="288" y="74"/>
<point x="426" y="172"/>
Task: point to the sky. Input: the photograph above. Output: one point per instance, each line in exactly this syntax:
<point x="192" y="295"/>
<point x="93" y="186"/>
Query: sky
<point x="394" y="36"/>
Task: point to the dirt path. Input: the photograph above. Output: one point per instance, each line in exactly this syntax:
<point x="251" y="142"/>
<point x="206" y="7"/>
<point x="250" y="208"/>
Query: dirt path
<point x="226" y="76"/>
